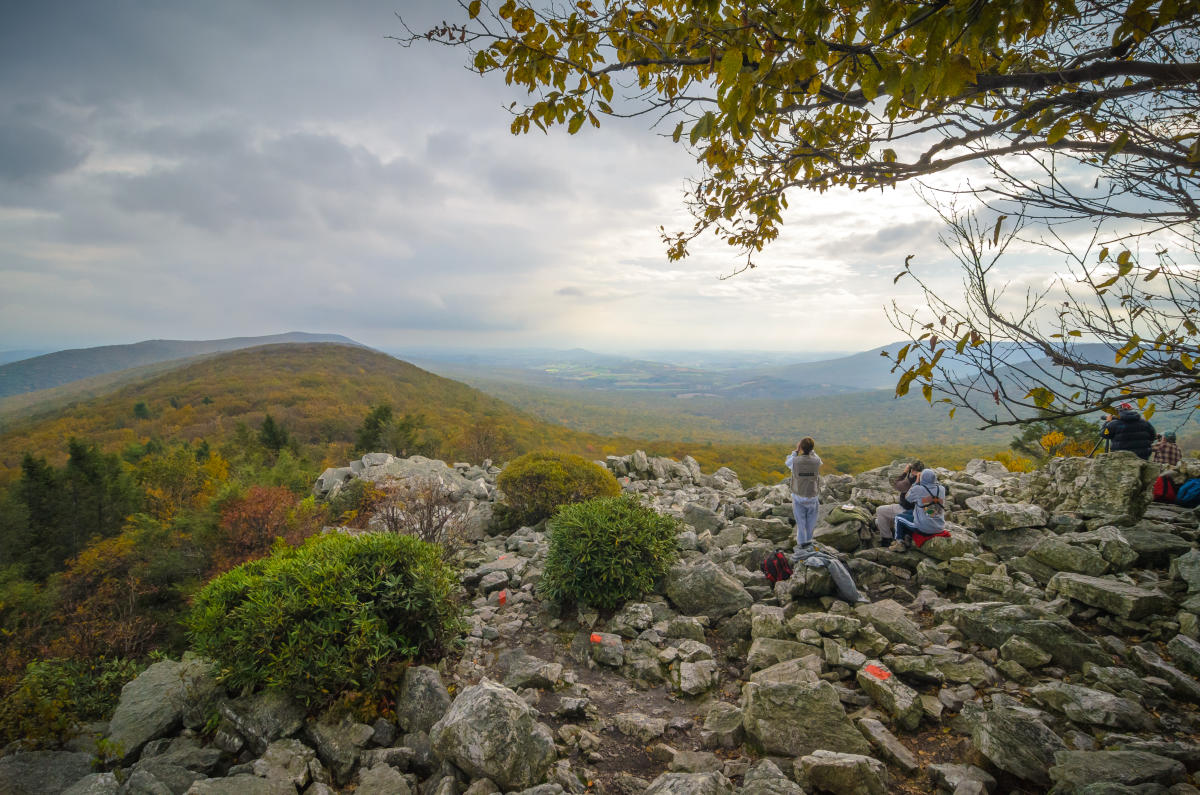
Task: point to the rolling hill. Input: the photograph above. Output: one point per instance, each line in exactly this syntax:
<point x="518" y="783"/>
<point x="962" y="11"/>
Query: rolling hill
<point x="319" y="391"/>
<point x="62" y="367"/>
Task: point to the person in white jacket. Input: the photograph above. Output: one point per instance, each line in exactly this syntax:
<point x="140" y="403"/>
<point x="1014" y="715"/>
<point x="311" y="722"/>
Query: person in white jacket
<point x="805" y="466"/>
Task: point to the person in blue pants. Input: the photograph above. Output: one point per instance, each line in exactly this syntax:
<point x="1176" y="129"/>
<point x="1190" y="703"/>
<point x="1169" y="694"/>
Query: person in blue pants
<point x="805" y="466"/>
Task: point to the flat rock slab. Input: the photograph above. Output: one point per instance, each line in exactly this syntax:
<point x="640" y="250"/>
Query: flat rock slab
<point x="1113" y="596"/>
<point x="795" y="719"/>
<point x="1129" y="768"/>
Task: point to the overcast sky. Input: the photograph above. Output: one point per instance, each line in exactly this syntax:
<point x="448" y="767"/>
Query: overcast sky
<point x="218" y="169"/>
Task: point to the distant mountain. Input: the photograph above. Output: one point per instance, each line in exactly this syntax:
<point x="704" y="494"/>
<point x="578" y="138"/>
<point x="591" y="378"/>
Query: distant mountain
<point x="18" y="355"/>
<point x="55" y="369"/>
<point x="320" y="392"/>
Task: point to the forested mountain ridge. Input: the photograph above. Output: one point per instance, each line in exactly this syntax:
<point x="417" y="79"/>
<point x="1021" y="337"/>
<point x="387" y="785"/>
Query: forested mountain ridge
<point x="62" y="367"/>
<point x="318" y="392"/>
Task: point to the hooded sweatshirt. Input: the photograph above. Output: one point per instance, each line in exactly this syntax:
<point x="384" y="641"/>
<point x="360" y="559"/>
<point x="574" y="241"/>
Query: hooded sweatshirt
<point x="928" y="498"/>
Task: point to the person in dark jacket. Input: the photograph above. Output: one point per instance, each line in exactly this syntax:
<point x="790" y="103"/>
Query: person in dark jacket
<point x="1130" y="432"/>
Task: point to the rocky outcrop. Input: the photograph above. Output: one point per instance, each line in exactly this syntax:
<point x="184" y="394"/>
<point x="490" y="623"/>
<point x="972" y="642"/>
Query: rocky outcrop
<point x="1049" y="642"/>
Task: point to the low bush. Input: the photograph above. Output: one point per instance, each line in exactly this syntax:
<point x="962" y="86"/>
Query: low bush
<point x="536" y="484"/>
<point x="606" y="551"/>
<point x="339" y="613"/>
<point x="55" y="697"/>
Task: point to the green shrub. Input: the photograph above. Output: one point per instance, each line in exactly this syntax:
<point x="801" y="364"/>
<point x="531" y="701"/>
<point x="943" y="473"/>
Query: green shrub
<point x="606" y="551"/>
<point x="56" y="696"/>
<point x="536" y="484"/>
<point x="335" y="614"/>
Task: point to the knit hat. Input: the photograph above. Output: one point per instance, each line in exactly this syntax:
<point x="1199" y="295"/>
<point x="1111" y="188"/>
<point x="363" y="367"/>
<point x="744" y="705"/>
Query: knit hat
<point x="1169" y="436"/>
<point x="1125" y="407"/>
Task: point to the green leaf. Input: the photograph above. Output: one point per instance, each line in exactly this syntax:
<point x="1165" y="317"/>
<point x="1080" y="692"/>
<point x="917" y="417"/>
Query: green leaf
<point x="731" y="64"/>
<point x="575" y="123"/>
<point x="473" y="8"/>
<point x="1060" y="129"/>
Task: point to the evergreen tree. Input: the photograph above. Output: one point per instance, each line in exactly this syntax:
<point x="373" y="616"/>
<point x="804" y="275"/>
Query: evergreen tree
<point x="273" y="435"/>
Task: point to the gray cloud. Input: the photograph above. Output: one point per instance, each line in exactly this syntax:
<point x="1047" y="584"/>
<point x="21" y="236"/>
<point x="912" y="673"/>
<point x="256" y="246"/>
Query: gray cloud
<point x="29" y="153"/>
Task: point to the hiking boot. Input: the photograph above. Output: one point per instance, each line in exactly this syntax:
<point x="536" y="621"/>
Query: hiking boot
<point x="898" y="546"/>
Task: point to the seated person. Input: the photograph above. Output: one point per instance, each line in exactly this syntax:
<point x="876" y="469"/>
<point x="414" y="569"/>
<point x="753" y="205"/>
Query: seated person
<point x="885" y="515"/>
<point x="928" y="515"/>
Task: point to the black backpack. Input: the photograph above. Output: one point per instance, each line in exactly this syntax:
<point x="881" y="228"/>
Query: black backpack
<point x="776" y="567"/>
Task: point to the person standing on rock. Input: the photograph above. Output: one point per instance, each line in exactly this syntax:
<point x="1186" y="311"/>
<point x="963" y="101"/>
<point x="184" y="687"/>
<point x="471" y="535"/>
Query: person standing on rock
<point x="885" y="515"/>
<point x="1130" y="432"/>
<point x="928" y="498"/>
<point x="805" y="466"/>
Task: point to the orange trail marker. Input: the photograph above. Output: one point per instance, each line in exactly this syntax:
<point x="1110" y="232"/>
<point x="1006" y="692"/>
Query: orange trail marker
<point x="877" y="672"/>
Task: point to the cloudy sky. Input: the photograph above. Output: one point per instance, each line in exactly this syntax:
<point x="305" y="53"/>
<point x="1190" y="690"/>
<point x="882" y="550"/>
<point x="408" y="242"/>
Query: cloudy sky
<point x="217" y="169"/>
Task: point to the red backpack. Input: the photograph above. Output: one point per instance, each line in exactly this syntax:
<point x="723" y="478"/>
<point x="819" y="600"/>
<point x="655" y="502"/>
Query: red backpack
<point x="776" y="567"/>
<point x="1164" y="489"/>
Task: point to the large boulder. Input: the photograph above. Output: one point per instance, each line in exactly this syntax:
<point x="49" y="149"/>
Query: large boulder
<point x="1096" y="707"/>
<point x="1015" y="740"/>
<point x="993" y="623"/>
<point x="1114" y="596"/>
<point x="797" y="718"/>
<point x="262" y="718"/>
<point x="489" y="732"/>
<point x="1114" y="484"/>
<point x="995" y="514"/>
<point x="845" y="774"/>
<point x="152" y="705"/>
<point x="896" y="698"/>
<point x="703" y="588"/>
<point x="1074" y="770"/>
<point x="892" y="621"/>
<point x="42" y="772"/>
<point x="690" y="784"/>
<point x="422" y="701"/>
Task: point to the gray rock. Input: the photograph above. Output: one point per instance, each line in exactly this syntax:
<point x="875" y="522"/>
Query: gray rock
<point x="263" y="718"/>
<point x="891" y="749"/>
<point x="1027" y="654"/>
<point x="1093" y="707"/>
<point x="995" y="514"/>
<point x="95" y="784"/>
<point x="1186" y="653"/>
<point x="993" y="623"/>
<point x="952" y="777"/>
<point x="152" y="705"/>
<point x="241" y="784"/>
<point x="1116" y="597"/>
<point x="524" y="670"/>
<point x="1187" y="568"/>
<point x="795" y="719"/>
<point x="846" y="774"/>
<point x="154" y="776"/>
<point x="489" y="732"/>
<point x="1074" y="769"/>
<point x="1115" y="484"/>
<point x="422" y="701"/>
<point x="959" y="543"/>
<point x="766" y="652"/>
<point x="41" y="772"/>
<point x="694" y="678"/>
<point x="896" y="698"/>
<point x="892" y="621"/>
<point x="1015" y="740"/>
<point x="643" y="728"/>
<point x="703" y="588"/>
<point x="1061" y="556"/>
<point x="722" y="727"/>
<point x="339" y="746"/>
<point x="382" y="780"/>
<point x="690" y="784"/>
<point x="286" y="760"/>
<point x="1182" y="684"/>
<point x="1155" y="549"/>
<point x="702" y="518"/>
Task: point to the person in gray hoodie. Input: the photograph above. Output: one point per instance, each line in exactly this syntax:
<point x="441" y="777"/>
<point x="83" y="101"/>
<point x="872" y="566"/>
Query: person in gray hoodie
<point x="928" y="498"/>
<point x="805" y="466"/>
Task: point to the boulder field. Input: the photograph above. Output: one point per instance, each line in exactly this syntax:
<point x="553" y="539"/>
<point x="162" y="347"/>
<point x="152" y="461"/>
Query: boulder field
<point x="1049" y="644"/>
